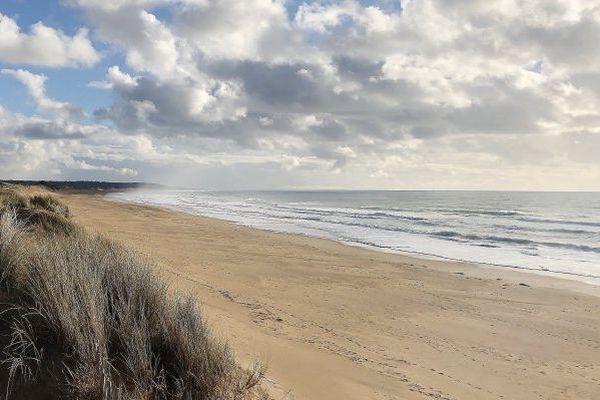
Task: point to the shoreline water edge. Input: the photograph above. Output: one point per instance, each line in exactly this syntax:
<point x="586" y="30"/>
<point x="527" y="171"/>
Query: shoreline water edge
<point x="476" y="235"/>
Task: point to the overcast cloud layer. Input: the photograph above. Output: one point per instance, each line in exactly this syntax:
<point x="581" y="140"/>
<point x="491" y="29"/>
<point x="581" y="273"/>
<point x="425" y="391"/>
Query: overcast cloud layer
<point x="436" y="94"/>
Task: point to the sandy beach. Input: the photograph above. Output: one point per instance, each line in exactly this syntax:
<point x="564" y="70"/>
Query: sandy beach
<point x="339" y="322"/>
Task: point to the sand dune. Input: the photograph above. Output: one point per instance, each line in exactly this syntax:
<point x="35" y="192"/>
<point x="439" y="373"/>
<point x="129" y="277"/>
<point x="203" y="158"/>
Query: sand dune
<point x="340" y="322"/>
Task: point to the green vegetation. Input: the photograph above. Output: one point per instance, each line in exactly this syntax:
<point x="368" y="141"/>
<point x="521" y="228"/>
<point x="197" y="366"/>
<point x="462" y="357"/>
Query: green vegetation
<point x="84" y="317"/>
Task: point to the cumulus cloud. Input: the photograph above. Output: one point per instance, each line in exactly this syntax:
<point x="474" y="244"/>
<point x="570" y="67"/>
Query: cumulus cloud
<point x="44" y="46"/>
<point x="36" y="86"/>
<point x="179" y="105"/>
<point x="230" y="29"/>
<point x="365" y="79"/>
<point x="372" y="94"/>
<point x="40" y="148"/>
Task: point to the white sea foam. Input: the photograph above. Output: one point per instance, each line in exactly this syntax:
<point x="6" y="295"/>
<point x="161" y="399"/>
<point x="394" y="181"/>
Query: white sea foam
<point x="549" y="233"/>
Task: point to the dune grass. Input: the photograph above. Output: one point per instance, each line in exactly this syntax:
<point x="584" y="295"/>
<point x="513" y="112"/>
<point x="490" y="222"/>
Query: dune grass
<point x="36" y="207"/>
<point x="84" y="317"/>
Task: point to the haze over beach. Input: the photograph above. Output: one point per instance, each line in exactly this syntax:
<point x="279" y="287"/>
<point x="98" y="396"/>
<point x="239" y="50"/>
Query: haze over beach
<point x="299" y="199"/>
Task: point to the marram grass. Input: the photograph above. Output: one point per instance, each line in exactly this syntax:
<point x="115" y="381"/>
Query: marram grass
<point x="84" y="317"/>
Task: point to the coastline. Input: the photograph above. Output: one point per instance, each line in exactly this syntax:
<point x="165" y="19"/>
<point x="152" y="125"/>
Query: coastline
<point x="580" y="283"/>
<point x="340" y="321"/>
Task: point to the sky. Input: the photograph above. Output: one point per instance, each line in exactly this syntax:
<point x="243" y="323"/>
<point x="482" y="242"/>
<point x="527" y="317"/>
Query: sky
<point x="274" y="94"/>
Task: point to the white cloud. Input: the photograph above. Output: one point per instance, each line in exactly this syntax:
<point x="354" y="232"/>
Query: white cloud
<point x="360" y="80"/>
<point x="343" y="93"/>
<point x="44" y="46"/>
<point x="39" y="148"/>
<point x="320" y="18"/>
<point x="120" y="79"/>
<point x="232" y="29"/>
<point x="36" y="86"/>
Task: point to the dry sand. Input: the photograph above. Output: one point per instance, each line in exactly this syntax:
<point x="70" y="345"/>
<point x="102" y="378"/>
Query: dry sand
<point x="340" y="322"/>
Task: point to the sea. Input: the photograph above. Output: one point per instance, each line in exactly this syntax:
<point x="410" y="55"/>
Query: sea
<point x="550" y="233"/>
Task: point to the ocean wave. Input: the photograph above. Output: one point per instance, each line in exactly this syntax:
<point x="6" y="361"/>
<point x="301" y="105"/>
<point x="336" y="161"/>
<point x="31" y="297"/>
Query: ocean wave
<point x="558" y="221"/>
<point x="495" y="213"/>
<point x="490" y="241"/>
<point x="351" y="213"/>
<point x="561" y="271"/>
<point x="514" y="240"/>
<point x="351" y="218"/>
<point x="538" y="228"/>
<point x="527" y="237"/>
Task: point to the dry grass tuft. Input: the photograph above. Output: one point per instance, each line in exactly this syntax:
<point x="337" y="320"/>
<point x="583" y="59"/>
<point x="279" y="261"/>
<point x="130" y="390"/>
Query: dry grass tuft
<point x="84" y="317"/>
<point x="36" y="208"/>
